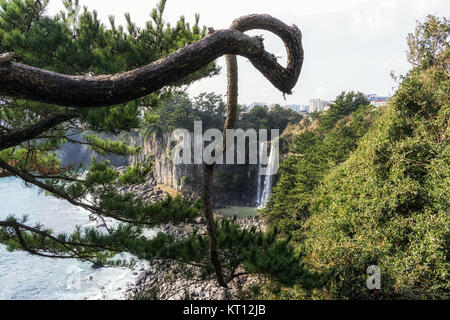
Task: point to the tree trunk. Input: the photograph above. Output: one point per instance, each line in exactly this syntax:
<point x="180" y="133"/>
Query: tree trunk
<point x="295" y="61"/>
<point x="208" y="171"/>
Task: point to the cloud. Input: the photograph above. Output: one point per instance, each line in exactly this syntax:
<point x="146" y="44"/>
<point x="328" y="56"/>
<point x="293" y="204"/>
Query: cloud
<point x="375" y="19"/>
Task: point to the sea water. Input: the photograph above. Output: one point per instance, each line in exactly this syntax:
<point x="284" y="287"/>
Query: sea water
<point x="27" y="277"/>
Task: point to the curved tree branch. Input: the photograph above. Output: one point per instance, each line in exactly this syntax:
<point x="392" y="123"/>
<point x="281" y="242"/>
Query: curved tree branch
<point x="292" y="38"/>
<point x="70" y="246"/>
<point x="22" y="81"/>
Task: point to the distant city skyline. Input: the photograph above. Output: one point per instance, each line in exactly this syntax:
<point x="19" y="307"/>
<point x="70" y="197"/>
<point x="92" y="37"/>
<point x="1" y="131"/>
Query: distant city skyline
<point x="349" y="45"/>
<point x="320" y="105"/>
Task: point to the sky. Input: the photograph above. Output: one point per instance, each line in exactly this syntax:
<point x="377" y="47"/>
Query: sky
<point x="349" y="44"/>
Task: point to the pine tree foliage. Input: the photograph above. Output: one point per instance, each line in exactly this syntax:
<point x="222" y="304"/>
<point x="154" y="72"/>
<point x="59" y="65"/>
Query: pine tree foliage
<point x="75" y="41"/>
<point x="242" y="251"/>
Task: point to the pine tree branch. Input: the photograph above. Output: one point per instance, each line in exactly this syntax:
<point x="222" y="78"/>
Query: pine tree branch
<point x="33" y="180"/>
<point x="31" y="83"/>
<point x="17" y="226"/>
<point x="15" y="138"/>
<point x="68" y="253"/>
<point x="22" y="81"/>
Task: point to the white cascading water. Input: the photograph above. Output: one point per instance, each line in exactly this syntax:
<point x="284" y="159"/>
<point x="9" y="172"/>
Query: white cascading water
<point x="258" y="186"/>
<point x="273" y="157"/>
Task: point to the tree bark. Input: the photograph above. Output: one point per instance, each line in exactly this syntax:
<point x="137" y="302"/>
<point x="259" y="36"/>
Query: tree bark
<point x="208" y="171"/>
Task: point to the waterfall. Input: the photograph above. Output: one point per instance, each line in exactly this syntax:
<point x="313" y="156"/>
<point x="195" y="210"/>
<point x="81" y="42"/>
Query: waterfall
<point x="258" y="186"/>
<point x="273" y="159"/>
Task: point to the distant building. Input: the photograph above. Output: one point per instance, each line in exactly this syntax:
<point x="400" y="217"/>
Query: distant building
<point x="297" y="108"/>
<point x="318" y="105"/>
<point x="377" y="101"/>
<point x="294" y="107"/>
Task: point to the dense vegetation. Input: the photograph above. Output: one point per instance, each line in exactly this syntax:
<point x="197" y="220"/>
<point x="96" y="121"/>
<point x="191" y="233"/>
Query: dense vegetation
<point x="180" y="111"/>
<point x="355" y="197"/>
<point x="312" y="154"/>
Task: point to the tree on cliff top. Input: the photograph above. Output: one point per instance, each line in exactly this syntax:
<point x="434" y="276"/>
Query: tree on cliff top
<point x="161" y="58"/>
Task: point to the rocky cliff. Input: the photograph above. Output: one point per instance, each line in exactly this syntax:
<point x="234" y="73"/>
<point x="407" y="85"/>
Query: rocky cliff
<point x="158" y="147"/>
<point x="187" y="179"/>
<point x="233" y="185"/>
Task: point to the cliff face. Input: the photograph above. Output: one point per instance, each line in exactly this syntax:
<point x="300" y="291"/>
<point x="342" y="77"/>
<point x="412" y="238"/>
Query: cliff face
<point x="187" y="179"/>
<point x="233" y="185"/>
<point x="165" y="172"/>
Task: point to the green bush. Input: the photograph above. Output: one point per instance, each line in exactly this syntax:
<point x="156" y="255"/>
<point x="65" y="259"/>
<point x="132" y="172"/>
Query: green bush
<point x="388" y="204"/>
<point x="380" y="198"/>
